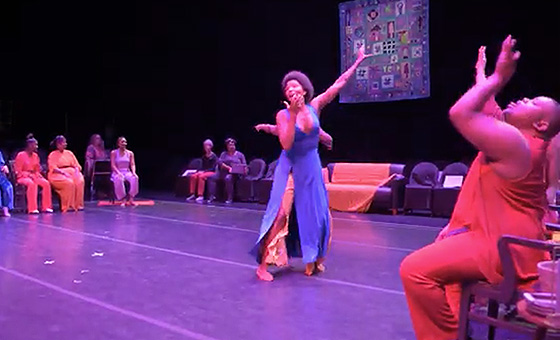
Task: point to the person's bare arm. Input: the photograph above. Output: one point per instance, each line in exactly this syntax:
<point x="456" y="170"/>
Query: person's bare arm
<point x="501" y="143"/>
<point x="326" y="97"/>
<point x="286" y="121"/>
<point x="491" y="107"/>
<point x="325" y="139"/>
<point x="268" y="128"/>
<point x="133" y="163"/>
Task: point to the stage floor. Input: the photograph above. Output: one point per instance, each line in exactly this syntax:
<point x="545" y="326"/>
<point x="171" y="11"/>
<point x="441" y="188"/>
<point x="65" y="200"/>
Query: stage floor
<point x="182" y="271"/>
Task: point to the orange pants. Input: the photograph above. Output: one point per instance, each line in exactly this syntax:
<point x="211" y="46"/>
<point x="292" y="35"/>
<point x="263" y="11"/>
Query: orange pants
<point x="32" y="184"/>
<point x="427" y="274"/>
<point x="198" y="182"/>
<point x="70" y="189"/>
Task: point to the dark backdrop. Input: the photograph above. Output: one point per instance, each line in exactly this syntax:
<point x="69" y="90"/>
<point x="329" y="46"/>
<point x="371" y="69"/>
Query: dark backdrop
<point x="169" y="74"/>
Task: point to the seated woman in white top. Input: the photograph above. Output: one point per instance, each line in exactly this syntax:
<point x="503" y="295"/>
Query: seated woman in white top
<point x="124" y="170"/>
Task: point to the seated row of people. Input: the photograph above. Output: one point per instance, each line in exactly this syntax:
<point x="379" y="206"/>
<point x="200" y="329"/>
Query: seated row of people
<point x="123" y="167"/>
<point x="228" y="168"/>
<point x="64" y="175"/>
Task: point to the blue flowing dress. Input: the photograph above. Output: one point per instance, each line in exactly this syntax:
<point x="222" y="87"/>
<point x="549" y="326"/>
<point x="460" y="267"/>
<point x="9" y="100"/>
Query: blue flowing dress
<point x="309" y="221"/>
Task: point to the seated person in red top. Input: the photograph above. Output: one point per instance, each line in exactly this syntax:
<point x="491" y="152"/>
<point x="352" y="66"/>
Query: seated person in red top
<point x="198" y="179"/>
<point x="552" y="154"/>
<point x="227" y="160"/>
<point x="503" y="193"/>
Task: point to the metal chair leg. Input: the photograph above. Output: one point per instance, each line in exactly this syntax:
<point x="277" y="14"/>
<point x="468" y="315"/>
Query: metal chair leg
<point x="493" y="309"/>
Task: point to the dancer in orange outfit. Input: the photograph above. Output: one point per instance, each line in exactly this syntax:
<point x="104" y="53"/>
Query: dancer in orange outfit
<point x="65" y="176"/>
<point x="28" y="172"/>
<point x="503" y="193"/>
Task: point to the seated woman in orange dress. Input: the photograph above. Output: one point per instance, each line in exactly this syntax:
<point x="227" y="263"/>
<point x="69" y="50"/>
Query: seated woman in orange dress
<point x="65" y="176"/>
<point x="28" y="172"/>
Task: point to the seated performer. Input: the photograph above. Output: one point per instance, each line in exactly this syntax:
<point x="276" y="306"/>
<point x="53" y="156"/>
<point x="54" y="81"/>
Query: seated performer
<point x="324" y="138"/>
<point x="28" y="172"/>
<point x="65" y="176"/>
<point x="6" y="188"/>
<point x="503" y="193"/>
<point x="124" y="170"/>
<point x="95" y="151"/>
<point x="227" y="160"/>
<point x="198" y="179"/>
<point x="492" y="108"/>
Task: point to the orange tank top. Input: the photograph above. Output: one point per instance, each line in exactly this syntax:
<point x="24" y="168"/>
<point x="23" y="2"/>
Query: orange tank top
<point x="491" y="206"/>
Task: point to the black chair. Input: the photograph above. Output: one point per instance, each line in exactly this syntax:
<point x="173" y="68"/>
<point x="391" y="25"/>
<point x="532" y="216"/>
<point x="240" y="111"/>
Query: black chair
<point x="264" y="186"/>
<point x="505" y="295"/>
<point x="246" y="185"/>
<point x="20" y="191"/>
<point x="183" y="182"/>
<point x="101" y="184"/>
<point x="444" y="199"/>
<point x="418" y="192"/>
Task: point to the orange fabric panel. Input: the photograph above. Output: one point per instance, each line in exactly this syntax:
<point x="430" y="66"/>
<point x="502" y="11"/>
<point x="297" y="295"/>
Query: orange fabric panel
<point x="350" y="197"/>
<point x="360" y="173"/>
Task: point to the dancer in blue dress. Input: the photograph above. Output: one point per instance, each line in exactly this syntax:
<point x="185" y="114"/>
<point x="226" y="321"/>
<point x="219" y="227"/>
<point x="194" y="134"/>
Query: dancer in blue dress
<point x="297" y="220"/>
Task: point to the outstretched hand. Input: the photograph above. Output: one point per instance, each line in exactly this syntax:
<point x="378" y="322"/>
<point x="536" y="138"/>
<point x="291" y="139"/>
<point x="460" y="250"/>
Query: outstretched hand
<point x="481" y="61"/>
<point x="261" y="127"/>
<point x="362" y="54"/>
<point x="507" y="60"/>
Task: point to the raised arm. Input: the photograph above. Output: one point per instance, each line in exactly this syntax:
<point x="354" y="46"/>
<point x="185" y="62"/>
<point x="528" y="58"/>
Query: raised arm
<point x="491" y="107"/>
<point x="326" y="97"/>
<point x="501" y="143"/>
<point x="286" y="121"/>
<point x="480" y="66"/>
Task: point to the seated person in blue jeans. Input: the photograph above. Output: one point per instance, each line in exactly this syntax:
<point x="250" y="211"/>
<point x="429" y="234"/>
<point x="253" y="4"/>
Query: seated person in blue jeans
<point x="6" y="188"/>
<point x="227" y="160"/>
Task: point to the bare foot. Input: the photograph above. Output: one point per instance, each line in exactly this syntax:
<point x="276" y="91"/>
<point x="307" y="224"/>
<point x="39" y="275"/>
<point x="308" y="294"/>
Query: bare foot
<point x="6" y="212"/>
<point x="264" y="275"/>
<point x="320" y="268"/>
<point x="309" y="269"/>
